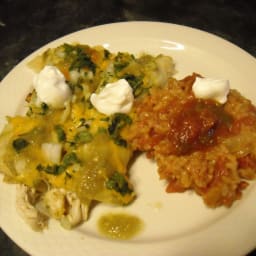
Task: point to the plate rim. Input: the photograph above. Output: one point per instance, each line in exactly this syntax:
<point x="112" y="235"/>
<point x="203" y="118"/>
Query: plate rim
<point x="129" y="23"/>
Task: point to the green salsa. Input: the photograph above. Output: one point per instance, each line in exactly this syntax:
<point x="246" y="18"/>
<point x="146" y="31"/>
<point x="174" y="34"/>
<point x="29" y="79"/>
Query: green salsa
<point x="119" y="225"/>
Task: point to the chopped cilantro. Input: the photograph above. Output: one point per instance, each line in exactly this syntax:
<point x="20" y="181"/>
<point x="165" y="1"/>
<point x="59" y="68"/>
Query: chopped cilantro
<point x="51" y="169"/>
<point x="60" y="133"/>
<point x="69" y="159"/>
<point x="44" y="108"/>
<point x="83" y="137"/>
<point x="136" y="83"/>
<point x="118" y="183"/>
<point x="78" y="57"/>
<point x="106" y="53"/>
<point x="20" y="144"/>
<point x="118" y="66"/>
<point x="121" y="61"/>
<point x="68" y="48"/>
<point x="105" y="119"/>
<point x="117" y="122"/>
<point x="119" y="141"/>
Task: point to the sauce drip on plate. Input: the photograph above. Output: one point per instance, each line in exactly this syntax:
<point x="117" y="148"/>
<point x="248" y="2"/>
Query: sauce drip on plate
<point x="119" y="225"/>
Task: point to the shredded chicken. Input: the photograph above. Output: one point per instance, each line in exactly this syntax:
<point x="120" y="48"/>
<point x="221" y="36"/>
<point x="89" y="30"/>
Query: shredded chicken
<point x="25" y="203"/>
<point x="36" y="208"/>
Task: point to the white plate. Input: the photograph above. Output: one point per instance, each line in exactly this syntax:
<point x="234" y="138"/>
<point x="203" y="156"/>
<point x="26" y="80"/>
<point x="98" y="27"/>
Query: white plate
<point x="175" y="224"/>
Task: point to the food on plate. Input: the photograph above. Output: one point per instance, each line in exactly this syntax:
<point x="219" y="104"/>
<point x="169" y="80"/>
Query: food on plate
<point x="67" y="152"/>
<point x="91" y="110"/>
<point x="201" y="140"/>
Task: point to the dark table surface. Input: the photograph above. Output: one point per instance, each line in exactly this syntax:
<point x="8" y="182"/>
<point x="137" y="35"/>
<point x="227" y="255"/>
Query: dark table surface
<point x="27" y="25"/>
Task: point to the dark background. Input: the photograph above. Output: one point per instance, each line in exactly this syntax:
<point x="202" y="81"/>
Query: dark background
<point x="27" y="25"/>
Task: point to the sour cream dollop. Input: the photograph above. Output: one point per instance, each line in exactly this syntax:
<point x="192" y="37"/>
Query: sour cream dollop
<point x="210" y="88"/>
<point x="116" y="97"/>
<point x="51" y="87"/>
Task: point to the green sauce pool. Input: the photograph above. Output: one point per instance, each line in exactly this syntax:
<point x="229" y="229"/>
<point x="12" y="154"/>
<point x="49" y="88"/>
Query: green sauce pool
<point x="119" y="226"/>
